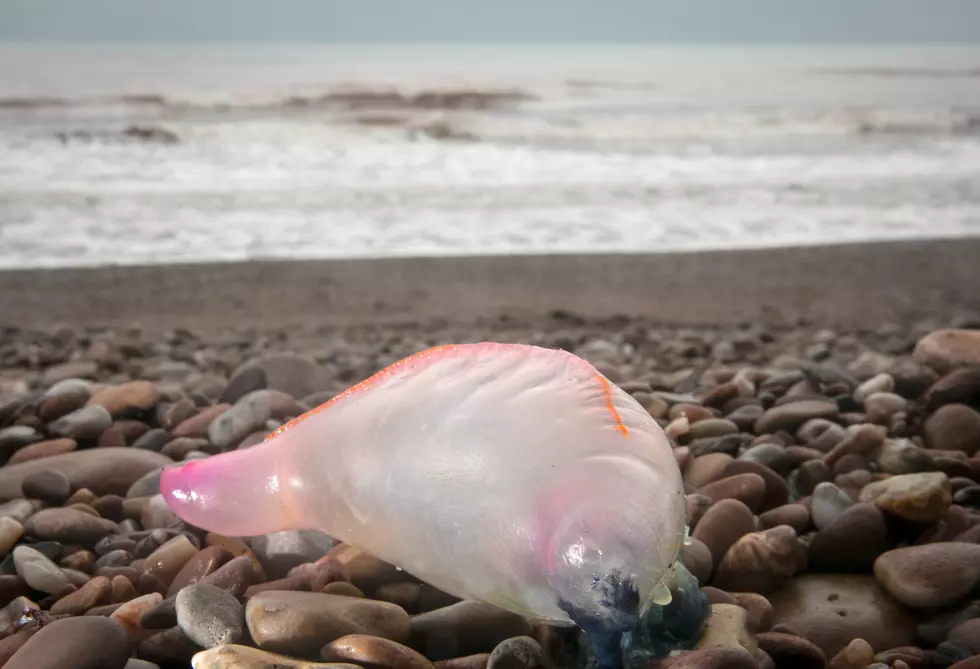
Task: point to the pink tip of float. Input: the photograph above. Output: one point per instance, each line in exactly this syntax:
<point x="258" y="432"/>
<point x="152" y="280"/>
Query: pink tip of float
<point x="234" y="494"/>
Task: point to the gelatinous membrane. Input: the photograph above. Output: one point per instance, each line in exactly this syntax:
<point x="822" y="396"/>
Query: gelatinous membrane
<point x="513" y="474"/>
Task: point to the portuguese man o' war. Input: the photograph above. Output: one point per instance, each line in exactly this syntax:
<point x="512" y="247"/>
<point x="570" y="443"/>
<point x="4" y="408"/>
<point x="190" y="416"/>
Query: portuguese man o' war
<point x="512" y="474"/>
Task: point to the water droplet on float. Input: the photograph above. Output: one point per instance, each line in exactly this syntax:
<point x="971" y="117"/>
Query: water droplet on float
<point x="662" y="596"/>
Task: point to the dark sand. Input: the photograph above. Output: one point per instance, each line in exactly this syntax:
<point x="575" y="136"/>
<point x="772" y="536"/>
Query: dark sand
<point x="838" y="285"/>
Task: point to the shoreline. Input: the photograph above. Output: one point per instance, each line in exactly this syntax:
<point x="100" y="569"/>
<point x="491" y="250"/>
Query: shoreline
<point x="848" y="284"/>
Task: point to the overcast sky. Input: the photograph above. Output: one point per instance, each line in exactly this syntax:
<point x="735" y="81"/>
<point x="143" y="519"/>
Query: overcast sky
<point x="494" y="20"/>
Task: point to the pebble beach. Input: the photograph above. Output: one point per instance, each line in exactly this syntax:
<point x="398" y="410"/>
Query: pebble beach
<point x="831" y="463"/>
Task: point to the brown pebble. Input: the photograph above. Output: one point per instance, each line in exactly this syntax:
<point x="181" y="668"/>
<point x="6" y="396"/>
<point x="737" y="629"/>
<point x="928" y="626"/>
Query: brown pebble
<point x="478" y="661"/>
<point x="748" y="488"/>
<point x="81" y="560"/>
<point x="96" y="592"/>
<point x="716" y="596"/>
<point x="776" y="490"/>
<point x="343" y="589"/>
<point x="51" y="487"/>
<point x="710" y="658"/>
<point x="366" y="571"/>
<point x="167" y="560"/>
<point x="168" y="648"/>
<point x="851" y="543"/>
<point x="232" y="656"/>
<point x="722" y="525"/>
<point x="697" y="557"/>
<point x="921" y="498"/>
<point x="705" y="469"/>
<point x="300" y="623"/>
<point x="856" y="655"/>
<point x="373" y="652"/>
<point x="43" y="449"/>
<point x="930" y="575"/>
<point x="953" y="427"/>
<point x="197" y="426"/>
<point x="831" y="610"/>
<point x="796" y="516"/>
<point x="86" y="642"/>
<point x="12" y="643"/>
<point x="465" y="628"/>
<point x="203" y="563"/>
<point x="761" y="561"/>
<point x="69" y="526"/>
<point x="128" y="615"/>
<point x="788" y="650"/>
<point x="862" y="441"/>
<point x="759" y="608"/>
<point x="147" y="583"/>
<point x="235" y="576"/>
<point x="123" y="589"/>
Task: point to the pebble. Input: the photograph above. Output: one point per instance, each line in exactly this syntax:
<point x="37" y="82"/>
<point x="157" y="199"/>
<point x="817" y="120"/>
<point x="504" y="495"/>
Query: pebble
<point x="248" y="415"/>
<point x="157" y="514"/>
<point x="168" y="648"/>
<point x="296" y="375"/>
<point x="373" y="651"/>
<point x="43" y="449"/>
<point x="84" y="424"/>
<point x="759" y="609"/>
<point x="722" y="525"/>
<point x="761" y="561"/>
<point x="930" y="575"/>
<point x="145" y="486"/>
<point x="727" y="627"/>
<point x="831" y="610"/>
<point x="69" y="526"/>
<point x="96" y="592"/>
<point x="38" y="571"/>
<point x="464" y="628"/>
<point x="243" y="657"/>
<point x="968" y="634"/>
<point x="828" y="503"/>
<point x="953" y="427"/>
<point x="521" y="652"/>
<point x="16" y="437"/>
<point x="696" y="556"/>
<point x="55" y="405"/>
<point x="104" y="471"/>
<point x="204" y="563"/>
<point x="789" y="650"/>
<point x="710" y="658"/>
<point x="796" y="516"/>
<point x="86" y="642"/>
<point x="166" y="561"/>
<point x="280" y="552"/>
<point x="10" y="533"/>
<point x="197" y="425"/>
<point x="51" y="487"/>
<point x="901" y="456"/>
<point x="129" y="614"/>
<point x="851" y="543"/>
<point x="924" y="497"/>
<point x="235" y="576"/>
<point x="300" y="623"/>
<point x="881" y="383"/>
<point x="127" y="399"/>
<point x="776" y="490"/>
<point x="209" y="616"/>
<point x="366" y="571"/>
<point x="705" y="469"/>
<point x="945" y="350"/>
<point x="789" y="417"/>
<point x="747" y="488"/>
<point x="712" y="427"/>
<point x="858" y="654"/>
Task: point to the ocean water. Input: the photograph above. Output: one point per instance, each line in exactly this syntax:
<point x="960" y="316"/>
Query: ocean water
<point x="132" y="154"/>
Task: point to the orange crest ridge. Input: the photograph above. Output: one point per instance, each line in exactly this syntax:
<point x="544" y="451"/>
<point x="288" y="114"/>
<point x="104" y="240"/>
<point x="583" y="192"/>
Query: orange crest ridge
<point x="428" y="355"/>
